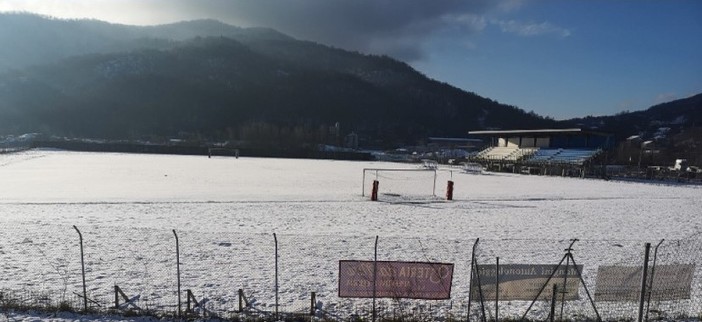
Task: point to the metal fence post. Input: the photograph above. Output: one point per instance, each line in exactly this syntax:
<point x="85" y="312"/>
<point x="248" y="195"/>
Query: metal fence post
<point x="313" y="303"/>
<point x="474" y="276"/>
<point x="554" y="293"/>
<point x="275" y="239"/>
<point x="470" y="284"/>
<point x="82" y="264"/>
<point x="178" y="271"/>
<point x="643" y="282"/>
<point x="187" y="301"/>
<point x="116" y="297"/>
<point x="497" y="288"/>
<point x="565" y="278"/>
<point x="375" y="272"/>
<point x="653" y="272"/>
<point x="241" y="300"/>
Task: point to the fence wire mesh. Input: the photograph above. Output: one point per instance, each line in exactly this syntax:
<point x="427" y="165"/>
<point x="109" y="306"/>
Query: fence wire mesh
<point x="603" y="280"/>
<point x="41" y="268"/>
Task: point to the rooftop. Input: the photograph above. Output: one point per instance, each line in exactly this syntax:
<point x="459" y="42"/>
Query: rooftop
<point x="539" y="131"/>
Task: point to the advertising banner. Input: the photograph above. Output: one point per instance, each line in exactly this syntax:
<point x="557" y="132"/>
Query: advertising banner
<point x="524" y="281"/>
<point x="414" y="280"/>
<point x="623" y="283"/>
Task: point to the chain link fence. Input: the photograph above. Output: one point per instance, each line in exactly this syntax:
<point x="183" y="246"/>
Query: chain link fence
<point x="586" y="280"/>
<point x="136" y="271"/>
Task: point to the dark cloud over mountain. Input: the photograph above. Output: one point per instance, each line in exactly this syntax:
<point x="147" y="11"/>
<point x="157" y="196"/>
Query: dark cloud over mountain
<point x="393" y="27"/>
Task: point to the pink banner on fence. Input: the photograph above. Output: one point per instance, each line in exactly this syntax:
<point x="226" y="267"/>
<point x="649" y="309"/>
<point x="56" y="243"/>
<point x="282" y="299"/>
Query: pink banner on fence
<point x="431" y="281"/>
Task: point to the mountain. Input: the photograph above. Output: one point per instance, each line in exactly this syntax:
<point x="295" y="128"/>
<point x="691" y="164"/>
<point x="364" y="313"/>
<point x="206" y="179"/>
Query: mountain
<point x="666" y="118"/>
<point x="208" y="80"/>
<point x="659" y="135"/>
<point x="31" y="39"/>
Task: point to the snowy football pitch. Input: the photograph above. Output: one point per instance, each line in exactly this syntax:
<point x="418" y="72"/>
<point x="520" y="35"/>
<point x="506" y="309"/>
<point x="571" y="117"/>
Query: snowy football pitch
<point x="226" y="210"/>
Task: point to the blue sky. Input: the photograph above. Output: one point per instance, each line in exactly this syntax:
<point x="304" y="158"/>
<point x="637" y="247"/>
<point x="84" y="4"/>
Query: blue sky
<point x="560" y="59"/>
<point x="597" y="57"/>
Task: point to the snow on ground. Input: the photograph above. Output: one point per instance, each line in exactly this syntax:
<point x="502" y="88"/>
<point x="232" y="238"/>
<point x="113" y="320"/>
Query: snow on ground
<point x="324" y="197"/>
<point x="225" y="211"/>
<point x="68" y="317"/>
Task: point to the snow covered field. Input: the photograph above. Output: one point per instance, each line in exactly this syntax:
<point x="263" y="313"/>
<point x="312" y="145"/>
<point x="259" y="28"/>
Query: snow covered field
<point x="225" y="211"/>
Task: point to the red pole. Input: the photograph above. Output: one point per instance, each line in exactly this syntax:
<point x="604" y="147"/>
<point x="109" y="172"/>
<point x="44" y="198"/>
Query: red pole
<point x="449" y="190"/>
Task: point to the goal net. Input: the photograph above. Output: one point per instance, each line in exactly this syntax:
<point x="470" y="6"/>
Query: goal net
<point x="400" y="184"/>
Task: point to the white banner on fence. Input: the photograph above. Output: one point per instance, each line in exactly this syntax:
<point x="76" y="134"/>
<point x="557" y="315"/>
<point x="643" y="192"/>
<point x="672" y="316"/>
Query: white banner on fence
<point x="524" y="281"/>
<point x="623" y="283"/>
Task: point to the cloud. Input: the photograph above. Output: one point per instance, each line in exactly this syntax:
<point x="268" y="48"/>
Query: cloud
<point x="399" y="28"/>
<point x="665" y="97"/>
<point x="531" y="29"/>
<point x="469" y="20"/>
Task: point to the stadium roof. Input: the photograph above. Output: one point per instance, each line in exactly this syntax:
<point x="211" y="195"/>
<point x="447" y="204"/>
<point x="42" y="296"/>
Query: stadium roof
<point x="459" y="140"/>
<point x="540" y="131"/>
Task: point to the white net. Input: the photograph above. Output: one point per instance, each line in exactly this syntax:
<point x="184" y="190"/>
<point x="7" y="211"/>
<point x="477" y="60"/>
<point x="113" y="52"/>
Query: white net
<point x="401" y="184"/>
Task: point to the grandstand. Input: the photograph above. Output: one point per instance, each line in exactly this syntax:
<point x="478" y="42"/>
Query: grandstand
<point x="546" y="151"/>
<point x="544" y="155"/>
<point x="562" y="156"/>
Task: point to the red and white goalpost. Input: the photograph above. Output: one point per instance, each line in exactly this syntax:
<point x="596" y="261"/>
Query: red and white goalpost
<point x="399" y="183"/>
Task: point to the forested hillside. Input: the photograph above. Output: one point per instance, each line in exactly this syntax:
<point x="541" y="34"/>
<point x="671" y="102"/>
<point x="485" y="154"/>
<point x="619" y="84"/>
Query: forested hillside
<point x="207" y="81"/>
<point x="254" y="86"/>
